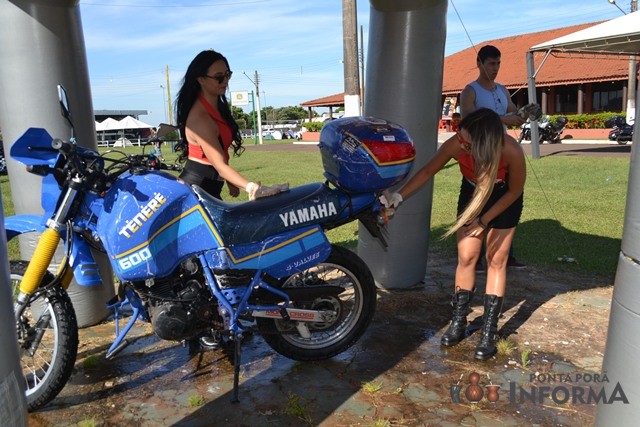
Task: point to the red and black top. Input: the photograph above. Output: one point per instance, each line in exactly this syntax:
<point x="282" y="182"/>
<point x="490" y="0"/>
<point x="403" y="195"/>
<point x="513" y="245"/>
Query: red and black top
<point x="224" y="131"/>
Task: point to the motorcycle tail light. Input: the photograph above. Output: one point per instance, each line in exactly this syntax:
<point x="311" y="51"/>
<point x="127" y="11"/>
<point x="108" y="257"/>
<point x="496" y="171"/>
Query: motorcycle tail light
<point x="389" y="154"/>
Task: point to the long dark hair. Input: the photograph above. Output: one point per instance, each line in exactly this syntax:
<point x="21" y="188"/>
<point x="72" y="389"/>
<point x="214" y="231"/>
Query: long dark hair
<point x="188" y="95"/>
<point x="487" y="135"/>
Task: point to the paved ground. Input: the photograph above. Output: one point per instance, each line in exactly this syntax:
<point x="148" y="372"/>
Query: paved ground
<point x="397" y="375"/>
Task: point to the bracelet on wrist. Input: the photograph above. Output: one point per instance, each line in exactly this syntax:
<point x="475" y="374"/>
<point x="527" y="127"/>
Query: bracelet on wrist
<point x="480" y="223"/>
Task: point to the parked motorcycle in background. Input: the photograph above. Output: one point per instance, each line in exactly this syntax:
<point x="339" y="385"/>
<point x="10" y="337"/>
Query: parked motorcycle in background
<point x="550" y="131"/>
<point x="621" y="131"/>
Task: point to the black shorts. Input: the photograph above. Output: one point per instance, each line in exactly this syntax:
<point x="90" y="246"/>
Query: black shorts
<point x="204" y="176"/>
<point x="507" y="219"/>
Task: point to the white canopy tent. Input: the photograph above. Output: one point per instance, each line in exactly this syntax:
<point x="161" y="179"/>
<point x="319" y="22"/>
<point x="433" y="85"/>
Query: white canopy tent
<point x="107" y="124"/>
<point x="132" y="123"/>
<point x="110" y="124"/>
<point x="619" y="36"/>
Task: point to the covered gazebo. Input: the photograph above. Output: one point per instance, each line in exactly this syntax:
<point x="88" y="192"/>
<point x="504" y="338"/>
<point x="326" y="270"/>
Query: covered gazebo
<point x="330" y="101"/>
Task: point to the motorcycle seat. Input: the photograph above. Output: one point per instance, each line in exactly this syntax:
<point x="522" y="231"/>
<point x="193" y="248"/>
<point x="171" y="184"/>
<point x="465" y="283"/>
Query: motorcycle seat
<point x="254" y="221"/>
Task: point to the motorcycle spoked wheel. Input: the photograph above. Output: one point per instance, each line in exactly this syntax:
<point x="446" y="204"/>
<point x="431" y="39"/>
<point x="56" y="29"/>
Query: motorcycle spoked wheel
<point x="46" y="371"/>
<point x="354" y="309"/>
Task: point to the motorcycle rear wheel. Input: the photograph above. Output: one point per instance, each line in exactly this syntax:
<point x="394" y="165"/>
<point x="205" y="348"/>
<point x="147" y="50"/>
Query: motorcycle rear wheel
<point x="48" y="369"/>
<point x="354" y="309"/>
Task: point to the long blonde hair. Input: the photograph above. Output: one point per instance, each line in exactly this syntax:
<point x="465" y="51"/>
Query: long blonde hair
<point x="487" y="136"/>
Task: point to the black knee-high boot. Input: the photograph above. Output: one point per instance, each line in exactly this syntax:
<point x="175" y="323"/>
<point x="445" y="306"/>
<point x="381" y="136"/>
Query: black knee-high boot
<point x="461" y="302"/>
<point x="487" y="345"/>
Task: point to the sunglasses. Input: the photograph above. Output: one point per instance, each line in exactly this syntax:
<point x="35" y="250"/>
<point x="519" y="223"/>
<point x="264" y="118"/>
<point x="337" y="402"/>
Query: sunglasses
<point x="220" y="77"/>
<point x="464" y="142"/>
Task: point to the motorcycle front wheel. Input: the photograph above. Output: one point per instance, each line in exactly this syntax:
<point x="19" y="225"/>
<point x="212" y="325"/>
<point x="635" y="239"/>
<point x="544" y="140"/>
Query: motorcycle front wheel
<point x="352" y="309"/>
<point x="47" y="334"/>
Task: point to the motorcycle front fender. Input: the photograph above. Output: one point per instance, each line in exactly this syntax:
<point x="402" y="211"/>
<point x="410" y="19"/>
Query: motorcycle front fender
<point x="21" y="224"/>
<point x="85" y="268"/>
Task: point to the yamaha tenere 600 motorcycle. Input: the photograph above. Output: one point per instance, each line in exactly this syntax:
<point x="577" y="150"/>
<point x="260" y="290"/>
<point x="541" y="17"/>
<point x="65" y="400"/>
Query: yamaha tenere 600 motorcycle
<point x="190" y="264"/>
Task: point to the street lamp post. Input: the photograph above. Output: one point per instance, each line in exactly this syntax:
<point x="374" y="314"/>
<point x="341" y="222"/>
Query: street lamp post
<point x="256" y="83"/>
<point x="266" y="113"/>
<point x="613" y="2"/>
<point x="164" y="103"/>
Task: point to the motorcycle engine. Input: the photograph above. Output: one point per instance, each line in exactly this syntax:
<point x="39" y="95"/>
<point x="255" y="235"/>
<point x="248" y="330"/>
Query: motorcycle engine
<point x="180" y="306"/>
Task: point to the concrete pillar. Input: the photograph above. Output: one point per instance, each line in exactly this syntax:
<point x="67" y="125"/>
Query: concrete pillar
<point x="580" y="99"/>
<point x="43" y="46"/>
<point x="404" y="85"/>
<point x="623" y="341"/>
<point x="13" y="405"/>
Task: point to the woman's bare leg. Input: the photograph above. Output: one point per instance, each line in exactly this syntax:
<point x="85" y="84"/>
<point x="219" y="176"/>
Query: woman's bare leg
<point x="498" y="244"/>
<point x="468" y="254"/>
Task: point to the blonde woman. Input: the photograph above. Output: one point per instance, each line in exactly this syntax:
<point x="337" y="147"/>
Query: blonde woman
<point x="489" y="206"/>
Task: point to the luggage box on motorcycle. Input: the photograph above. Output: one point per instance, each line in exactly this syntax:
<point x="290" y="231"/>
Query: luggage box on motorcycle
<point x="364" y="154"/>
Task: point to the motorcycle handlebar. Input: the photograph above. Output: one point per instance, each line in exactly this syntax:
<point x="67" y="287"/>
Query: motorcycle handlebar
<point x="62" y="146"/>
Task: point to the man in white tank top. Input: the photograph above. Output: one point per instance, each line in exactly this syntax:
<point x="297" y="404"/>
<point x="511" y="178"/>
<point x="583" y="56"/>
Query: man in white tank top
<point x="484" y="92"/>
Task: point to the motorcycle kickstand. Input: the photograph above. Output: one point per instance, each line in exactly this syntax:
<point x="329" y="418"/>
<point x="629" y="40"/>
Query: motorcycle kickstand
<point x="236" y="366"/>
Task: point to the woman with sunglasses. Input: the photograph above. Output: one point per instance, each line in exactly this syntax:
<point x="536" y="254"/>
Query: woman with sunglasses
<point x="489" y="206"/>
<point x="208" y="130"/>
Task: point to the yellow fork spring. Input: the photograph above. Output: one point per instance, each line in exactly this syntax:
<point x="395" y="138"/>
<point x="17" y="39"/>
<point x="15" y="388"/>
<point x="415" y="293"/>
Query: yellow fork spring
<point x="41" y="259"/>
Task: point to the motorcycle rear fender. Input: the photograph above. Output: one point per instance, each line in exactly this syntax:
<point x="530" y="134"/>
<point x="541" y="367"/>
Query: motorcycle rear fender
<point x="280" y="255"/>
<point x="85" y="268"/>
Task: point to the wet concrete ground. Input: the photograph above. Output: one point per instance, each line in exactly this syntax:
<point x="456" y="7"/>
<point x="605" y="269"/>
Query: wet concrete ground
<point x="397" y="375"/>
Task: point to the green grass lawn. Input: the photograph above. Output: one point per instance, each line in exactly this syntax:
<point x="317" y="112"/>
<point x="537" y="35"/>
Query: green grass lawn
<point x="574" y="206"/>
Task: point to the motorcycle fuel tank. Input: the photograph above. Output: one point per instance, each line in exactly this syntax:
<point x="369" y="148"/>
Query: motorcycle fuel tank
<point x="151" y="223"/>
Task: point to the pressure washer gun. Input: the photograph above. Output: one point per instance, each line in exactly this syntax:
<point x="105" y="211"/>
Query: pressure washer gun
<point x="530" y="111"/>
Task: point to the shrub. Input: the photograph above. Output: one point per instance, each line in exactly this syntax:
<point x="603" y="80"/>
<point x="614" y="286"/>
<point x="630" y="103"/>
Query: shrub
<point x="313" y="126"/>
<point x="587" y="121"/>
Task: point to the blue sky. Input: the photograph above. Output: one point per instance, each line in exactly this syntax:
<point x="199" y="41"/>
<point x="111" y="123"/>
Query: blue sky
<point x="295" y="45"/>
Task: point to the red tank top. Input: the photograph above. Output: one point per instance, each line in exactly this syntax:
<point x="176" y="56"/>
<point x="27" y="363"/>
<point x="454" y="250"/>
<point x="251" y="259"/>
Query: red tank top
<point x="467" y="163"/>
<point x="224" y="131"/>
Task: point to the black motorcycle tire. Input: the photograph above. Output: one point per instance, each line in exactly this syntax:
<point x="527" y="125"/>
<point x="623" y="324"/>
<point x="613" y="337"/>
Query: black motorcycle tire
<point x="58" y="349"/>
<point x="524" y="136"/>
<point x="622" y="141"/>
<point x="344" y="331"/>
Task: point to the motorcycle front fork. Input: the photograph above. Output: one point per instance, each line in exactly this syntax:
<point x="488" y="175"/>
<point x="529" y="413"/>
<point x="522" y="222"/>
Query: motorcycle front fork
<point x="45" y="249"/>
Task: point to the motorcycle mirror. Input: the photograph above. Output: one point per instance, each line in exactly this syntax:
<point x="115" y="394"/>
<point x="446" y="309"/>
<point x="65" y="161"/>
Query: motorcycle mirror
<point x="64" y="104"/>
<point x="165" y="129"/>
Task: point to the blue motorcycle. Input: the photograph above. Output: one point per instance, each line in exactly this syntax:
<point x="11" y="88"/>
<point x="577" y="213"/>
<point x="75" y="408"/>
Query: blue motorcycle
<point x="191" y="264"/>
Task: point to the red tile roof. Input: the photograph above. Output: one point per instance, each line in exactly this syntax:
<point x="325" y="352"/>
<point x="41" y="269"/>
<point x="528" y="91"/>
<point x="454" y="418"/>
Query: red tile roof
<point x="559" y="69"/>
<point x="336" y="100"/>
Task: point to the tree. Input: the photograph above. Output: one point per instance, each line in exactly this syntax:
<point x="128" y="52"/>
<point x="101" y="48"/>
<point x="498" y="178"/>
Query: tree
<point x="241" y="118"/>
<point x="291" y="113"/>
<point x="268" y="114"/>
